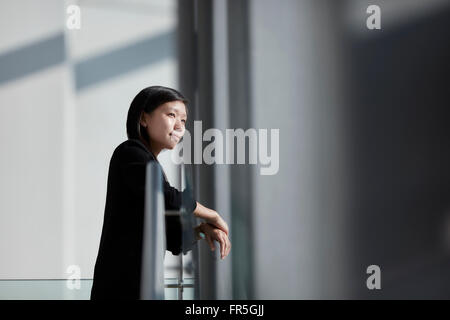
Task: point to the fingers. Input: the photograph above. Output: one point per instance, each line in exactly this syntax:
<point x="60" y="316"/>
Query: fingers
<point x="228" y="247"/>
<point x="222" y="246"/>
<point x="210" y="242"/>
<point x="225" y="246"/>
<point x="218" y="235"/>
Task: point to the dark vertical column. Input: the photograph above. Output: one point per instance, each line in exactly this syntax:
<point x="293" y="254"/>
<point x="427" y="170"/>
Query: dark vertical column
<point x="187" y="56"/>
<point x="205" y="173"/>
<point x="240" y="175"/>
<point x="187" y="72"/>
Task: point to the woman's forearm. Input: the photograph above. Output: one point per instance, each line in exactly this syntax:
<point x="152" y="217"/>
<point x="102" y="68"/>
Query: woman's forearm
<point x="210" y="216"/>
<point x="203" y="212"/>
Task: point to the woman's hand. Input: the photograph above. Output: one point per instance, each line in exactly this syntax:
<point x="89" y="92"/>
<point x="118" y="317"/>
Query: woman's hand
<point x="218" y="235"/>
<point x="219" y="223"/>
<point x="211" y="217"/>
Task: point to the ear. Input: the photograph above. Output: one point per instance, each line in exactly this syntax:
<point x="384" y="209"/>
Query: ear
<point x="142" y="120"/>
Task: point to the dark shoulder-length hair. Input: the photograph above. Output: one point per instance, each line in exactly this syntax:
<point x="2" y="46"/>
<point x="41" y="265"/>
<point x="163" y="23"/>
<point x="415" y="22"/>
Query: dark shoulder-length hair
<point x="147" y="100"/>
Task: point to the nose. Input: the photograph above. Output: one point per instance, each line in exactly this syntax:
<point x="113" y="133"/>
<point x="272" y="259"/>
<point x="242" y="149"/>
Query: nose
<point x="178" y="125"/>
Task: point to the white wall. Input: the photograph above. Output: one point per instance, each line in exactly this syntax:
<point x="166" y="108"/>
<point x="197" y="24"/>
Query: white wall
<point x="31" y="145"/>
<point x="56" y="141"/>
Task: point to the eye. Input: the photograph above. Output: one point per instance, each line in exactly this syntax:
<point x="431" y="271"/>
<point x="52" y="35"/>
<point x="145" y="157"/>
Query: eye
<point x="172" y="114"/>
<point x="184" y="121"/>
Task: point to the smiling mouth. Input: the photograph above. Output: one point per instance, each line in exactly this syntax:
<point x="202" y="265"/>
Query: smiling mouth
<point x="175" y="136"/>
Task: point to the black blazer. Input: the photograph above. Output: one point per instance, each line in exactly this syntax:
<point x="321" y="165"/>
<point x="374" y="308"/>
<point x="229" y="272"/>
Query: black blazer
<point x="117" y="270"/>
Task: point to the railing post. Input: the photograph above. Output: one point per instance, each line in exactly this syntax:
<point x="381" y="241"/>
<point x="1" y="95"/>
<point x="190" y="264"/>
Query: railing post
<point x="154" y="236"/>
<point x="180" y="261"/>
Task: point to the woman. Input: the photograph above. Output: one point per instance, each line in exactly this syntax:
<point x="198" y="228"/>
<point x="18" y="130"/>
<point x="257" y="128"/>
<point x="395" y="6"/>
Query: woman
<point x="156" y="121"/>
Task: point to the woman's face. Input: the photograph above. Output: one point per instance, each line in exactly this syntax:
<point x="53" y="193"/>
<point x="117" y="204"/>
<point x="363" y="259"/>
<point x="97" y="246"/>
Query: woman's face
<point x="165" y="125"/>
